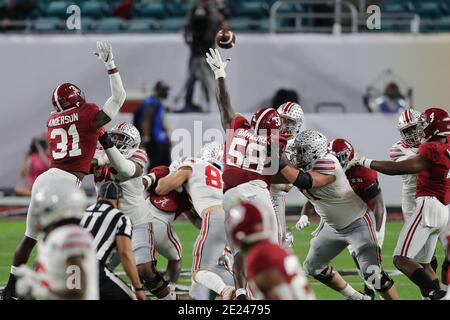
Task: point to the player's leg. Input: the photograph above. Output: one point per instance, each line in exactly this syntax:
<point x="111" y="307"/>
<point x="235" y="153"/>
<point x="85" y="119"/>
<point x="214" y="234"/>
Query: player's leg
<point x="144" y="252"/>
<point x="168" y="245"/>
<point x="417" y="243"/>
<point x="207" y="250"/>
<point x="279" y="205"/>
<point x="361" y="235"/>
<point x="326" y="245"/>
<point x="111" y="287"/>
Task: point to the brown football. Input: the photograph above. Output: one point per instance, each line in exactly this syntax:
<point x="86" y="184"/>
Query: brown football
<point x="225" y="39"/>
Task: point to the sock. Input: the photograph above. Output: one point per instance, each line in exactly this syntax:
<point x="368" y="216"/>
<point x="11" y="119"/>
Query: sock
<point x="434" y="263"/>
<point x="170" y="296"/>
<point x="437" y="283"/>
<point x="210" y="280"/>
<point x="348" y="291"/>
<point x="14" y="270"/>
<point x="421" y="279"/>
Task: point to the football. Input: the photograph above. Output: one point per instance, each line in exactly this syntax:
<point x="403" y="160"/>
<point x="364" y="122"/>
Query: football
<point x="225" y="39"/>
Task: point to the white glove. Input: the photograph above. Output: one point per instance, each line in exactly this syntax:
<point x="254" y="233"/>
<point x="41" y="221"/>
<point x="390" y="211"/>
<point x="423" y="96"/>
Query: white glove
<point x="302" y="223"/>
<point x="104" y="53"/>
<point x="215" y="62"/>
<point x="363" y="161"/>
<point x="30" y="284"/>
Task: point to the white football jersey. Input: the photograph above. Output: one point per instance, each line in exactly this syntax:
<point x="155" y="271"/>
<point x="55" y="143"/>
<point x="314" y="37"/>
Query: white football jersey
<point x="61" y="244"/>
<point x="205" y="186"/>
<point x="337" y="204"/>
<point x="399" y="152"/>
<point x="133" y="204"/>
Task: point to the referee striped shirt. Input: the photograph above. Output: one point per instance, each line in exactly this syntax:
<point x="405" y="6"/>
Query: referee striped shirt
<point x="105" y="223"/>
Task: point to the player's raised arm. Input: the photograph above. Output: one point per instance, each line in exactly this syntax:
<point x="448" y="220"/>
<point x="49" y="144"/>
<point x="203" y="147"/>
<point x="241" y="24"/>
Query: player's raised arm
<point x="409" y="166"/>
<point x="118" y="95"/>
<point x="218" y="66"/>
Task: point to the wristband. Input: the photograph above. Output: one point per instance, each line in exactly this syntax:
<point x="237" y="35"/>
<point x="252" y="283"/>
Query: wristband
<point x="366" y="163"/>
<point x="105" y="141"/>
<point x="139" y="289"/>
<point x="241" y="294"/>
<point x="150" y="180"/>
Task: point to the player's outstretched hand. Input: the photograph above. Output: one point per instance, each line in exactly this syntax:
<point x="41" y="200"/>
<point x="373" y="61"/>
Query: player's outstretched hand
<point x="105" y="54"/>
<point x="362" y="161"/>
<point x="302" y="223"/>
<point x="216" y="63"/>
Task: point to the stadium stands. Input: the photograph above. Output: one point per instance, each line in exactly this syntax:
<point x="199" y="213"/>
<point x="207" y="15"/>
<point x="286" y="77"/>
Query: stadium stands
<point x="247" y="16"/>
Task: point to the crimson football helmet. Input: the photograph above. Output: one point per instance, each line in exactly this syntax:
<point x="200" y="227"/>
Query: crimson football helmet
<point x="67" y="96"/>
<point x="246" y="224"/>
<point x="433" y="122"/>
<point x="265" y="121"/>
<point x="343" y="151"/>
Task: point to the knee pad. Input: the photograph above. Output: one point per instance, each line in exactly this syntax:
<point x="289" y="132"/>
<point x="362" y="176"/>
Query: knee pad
<point x="380" y="281"/>
<point x="326" y="275"/>
<point x="157" y="284"/>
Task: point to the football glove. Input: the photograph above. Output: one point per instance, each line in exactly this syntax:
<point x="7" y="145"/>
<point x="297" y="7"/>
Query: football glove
<point x="104" y="53"/>
<point x="31" y="284"/>
<point x="216" y="64"/>
<point x="302" y="223"/>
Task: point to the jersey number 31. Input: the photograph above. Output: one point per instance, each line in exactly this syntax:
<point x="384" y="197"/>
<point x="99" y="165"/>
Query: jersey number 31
<point x="63" y="145"/>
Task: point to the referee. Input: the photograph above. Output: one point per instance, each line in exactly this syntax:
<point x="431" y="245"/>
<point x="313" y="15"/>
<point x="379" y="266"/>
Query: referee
<point x="111" y="230"/>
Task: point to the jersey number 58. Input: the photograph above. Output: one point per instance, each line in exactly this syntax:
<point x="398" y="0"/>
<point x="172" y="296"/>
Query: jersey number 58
<point x="247" y="155"/>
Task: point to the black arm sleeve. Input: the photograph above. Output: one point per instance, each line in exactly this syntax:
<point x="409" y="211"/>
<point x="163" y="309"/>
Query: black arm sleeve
<point x="303" y="181"/>
<point x="372" y="191"/>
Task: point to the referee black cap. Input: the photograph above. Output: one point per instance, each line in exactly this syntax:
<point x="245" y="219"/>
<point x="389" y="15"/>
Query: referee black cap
<point x="110" y="190"/>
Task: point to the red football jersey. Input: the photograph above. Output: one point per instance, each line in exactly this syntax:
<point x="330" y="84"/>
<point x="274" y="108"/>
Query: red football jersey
<point x="72" y="138"/>
<point x="174" y="201"/>
<point x="267" y="255"/>
<point x="435" y="182"/>
<point x="249" y="156"/>
<point x="362" y="179"/>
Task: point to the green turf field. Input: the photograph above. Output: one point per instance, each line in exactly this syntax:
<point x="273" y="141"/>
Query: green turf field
<point x="11" y="232"/>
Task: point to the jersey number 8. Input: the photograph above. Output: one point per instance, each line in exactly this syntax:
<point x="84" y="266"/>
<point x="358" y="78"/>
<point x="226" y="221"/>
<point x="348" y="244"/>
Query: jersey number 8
<point x="213" y="177"/>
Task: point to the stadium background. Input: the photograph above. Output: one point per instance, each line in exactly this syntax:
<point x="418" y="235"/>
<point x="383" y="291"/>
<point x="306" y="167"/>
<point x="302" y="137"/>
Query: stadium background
<point x="328" y="64"/>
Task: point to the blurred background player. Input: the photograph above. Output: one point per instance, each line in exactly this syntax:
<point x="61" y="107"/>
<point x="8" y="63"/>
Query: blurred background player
<point x="204" y="21"/>
<point x="164" y="210"/>
<point x="150" y="120"/>
<point x="112" y="231"/>
<point x="417" y="241"/>
<point x="273" y="272"/>
<point x="36" y="161"/>
<point x="347" y="221"/>
<point x="124" y="162"/>
<point x="292" y="118"/>
<point x="202" y="179"/>
<point x="66" y="267"/>
<point x="72" y="137"/>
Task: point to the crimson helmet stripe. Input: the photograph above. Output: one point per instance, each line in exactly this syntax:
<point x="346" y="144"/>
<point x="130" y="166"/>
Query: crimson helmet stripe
<point x="55" y="96"/>
<point x="407" y="116"/>
<point x="287" y="107"/>
<point x="261" y="117"/>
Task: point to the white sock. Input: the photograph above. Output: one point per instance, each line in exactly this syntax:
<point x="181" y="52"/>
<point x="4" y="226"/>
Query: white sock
<point x="210" y="280"/>
<point x="14" y="270"/>
<point x="348" y="291"/>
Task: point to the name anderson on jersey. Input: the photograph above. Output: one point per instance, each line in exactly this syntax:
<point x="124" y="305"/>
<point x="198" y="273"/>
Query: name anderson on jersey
<point x="63" y="120"/>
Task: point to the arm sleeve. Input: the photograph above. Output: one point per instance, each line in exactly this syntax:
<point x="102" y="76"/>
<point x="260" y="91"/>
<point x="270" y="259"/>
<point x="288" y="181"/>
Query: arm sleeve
<point x="140" y="157"/>
<point x="325" y="166"/>
<point x="118" y="95"/>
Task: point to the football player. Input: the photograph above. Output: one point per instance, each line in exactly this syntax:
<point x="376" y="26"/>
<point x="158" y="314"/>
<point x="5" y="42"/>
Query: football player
<point x="66" y="264"/>
<point x="165" y="209"/>
<point x="417" y="241"/>
<point x="403" y="149"/>
<point x="122" y="160"/>
<point x="292" y="118"/>
<point x="254" y="158"/>
<point x="347" y="221"/>
<point x="364" y="183"/>
<point x="72" y="137"/>
<point x="273" y="272"/>
<point x="202" y="180"/>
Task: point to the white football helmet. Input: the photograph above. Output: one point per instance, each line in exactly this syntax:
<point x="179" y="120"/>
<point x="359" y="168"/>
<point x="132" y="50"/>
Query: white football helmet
<point x="292" y="118"/>
<point x="213" y="153"/>
<point x="407" y="126"/>
<point x="125" y="137"/>
<point x="58" y="201"/>
<point x="310" y="145"/>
